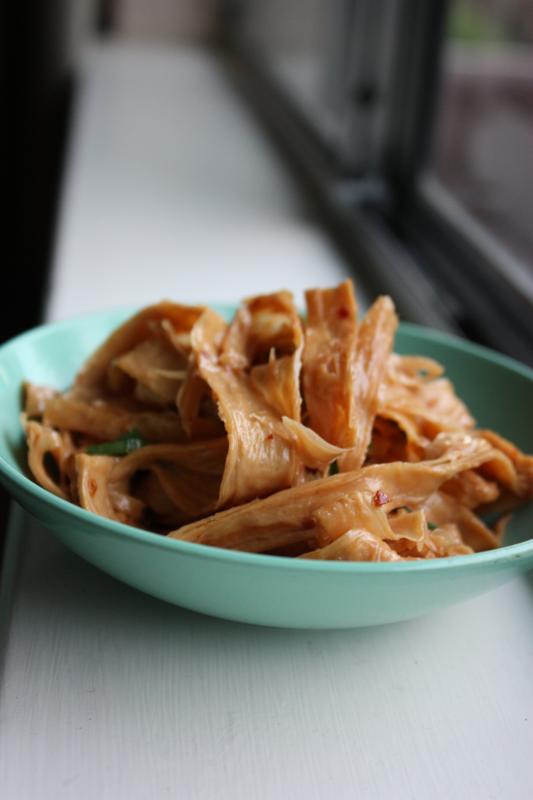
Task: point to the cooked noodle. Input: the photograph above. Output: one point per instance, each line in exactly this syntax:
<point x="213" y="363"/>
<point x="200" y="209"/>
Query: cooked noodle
<point x="276" y="434"/>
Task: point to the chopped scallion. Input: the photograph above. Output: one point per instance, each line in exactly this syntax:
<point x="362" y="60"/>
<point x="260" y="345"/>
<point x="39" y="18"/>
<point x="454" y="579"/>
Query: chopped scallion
<point x="131" y="441"/>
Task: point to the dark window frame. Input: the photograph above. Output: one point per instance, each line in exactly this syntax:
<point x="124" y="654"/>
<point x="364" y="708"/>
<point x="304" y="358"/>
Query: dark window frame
<point x="466" y="259"/>
<point x="405" y="233"/>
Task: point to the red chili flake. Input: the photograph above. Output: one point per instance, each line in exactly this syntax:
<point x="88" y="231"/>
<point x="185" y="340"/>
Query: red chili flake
<point x="342" y="312"/>
<point x="380" y="498"/>
<point x="269" y="437"/>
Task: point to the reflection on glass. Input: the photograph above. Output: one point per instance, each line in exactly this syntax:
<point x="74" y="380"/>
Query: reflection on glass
<point x="483" y="148"/>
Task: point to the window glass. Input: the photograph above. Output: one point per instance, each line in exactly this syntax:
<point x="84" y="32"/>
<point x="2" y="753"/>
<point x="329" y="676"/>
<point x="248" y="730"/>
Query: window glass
<point x="483" y="147"/>
<point x="294" y="38"/>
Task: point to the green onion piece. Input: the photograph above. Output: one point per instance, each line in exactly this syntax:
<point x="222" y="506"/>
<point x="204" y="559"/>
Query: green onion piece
<point x="333" y="468"/>
<point x="132" y="440"/>
<point x="432" y="526"/>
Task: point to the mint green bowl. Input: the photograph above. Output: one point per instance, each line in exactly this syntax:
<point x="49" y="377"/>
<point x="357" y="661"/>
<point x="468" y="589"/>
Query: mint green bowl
<point x="268" y="590"/>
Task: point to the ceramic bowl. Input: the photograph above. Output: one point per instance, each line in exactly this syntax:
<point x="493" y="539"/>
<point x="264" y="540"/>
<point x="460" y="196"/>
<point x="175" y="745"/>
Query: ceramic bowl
<point x="269" y="590"/>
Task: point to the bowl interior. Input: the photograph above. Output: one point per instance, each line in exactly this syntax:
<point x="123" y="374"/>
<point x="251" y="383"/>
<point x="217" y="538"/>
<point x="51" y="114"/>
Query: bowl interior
<point x="497" y="390"/>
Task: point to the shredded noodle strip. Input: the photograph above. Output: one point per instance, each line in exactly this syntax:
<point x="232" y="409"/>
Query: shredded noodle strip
<point x="291" y="515"/>
<point x="304" y="438"/>
<point x="359" y="545"/>
<point x="264" y="454"/>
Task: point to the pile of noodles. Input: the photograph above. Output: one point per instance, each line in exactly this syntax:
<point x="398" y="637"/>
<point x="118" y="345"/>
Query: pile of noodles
<point x="272" y="434"/>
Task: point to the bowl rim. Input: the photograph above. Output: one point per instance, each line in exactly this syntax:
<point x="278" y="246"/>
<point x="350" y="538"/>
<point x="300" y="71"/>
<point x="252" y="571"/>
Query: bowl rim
<point x="24" y="483"/>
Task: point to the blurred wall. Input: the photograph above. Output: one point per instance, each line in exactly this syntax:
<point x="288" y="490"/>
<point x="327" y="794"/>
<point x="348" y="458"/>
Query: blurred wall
<point x="164" y="19"/>
<point x="44" y="44"/>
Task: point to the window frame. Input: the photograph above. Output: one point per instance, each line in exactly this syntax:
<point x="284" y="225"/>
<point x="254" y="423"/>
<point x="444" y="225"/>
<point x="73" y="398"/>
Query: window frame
<point x="405" y="233"/>
<point x="495" y="287"/>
